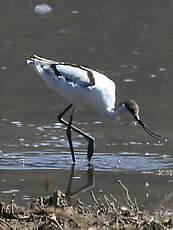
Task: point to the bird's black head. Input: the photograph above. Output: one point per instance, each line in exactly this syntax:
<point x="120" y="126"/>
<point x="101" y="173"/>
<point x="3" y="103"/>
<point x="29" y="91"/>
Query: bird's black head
<point x="133" y="108"/>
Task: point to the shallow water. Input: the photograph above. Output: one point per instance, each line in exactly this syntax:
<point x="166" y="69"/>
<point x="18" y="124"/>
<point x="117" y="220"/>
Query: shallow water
<point x="151" y="191"/>
<point x="131" y="42"/>
<point x="46" y="146"/>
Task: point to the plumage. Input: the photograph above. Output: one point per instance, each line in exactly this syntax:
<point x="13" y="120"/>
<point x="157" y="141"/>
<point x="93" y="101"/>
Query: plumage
<point x="78" y="84"/>
<point x="81" y="85"/>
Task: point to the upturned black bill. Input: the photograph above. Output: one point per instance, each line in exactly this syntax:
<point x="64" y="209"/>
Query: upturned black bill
<point x="154" y="135"/>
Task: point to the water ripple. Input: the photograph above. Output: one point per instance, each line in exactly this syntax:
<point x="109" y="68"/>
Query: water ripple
<point x="43" y="145"/>
<point x="102" y="161"/>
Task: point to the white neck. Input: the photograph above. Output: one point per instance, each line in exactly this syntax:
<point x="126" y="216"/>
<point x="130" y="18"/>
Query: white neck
<point x="117" y="112"/>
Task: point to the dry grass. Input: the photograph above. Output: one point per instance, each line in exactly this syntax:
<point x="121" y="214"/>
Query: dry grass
<point x="53" y="212"/>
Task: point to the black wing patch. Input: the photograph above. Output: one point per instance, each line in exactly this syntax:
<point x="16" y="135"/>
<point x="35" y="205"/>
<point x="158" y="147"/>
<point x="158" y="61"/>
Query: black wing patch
<point x="57" y="73"/>
<point x="80" y="75"/>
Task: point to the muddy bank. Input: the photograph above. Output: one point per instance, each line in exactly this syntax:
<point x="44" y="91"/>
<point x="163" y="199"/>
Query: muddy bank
<point x="150" y="189"/>
<point x="56" y="212"/>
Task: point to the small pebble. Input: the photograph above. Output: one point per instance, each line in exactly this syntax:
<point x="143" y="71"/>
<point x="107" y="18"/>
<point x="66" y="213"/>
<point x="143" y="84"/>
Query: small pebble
<point x="124" y="66"/>
<point x="135" y="52"/>
<point x="75" y="12"/>
<point x="162" y="70"/>
<point x="43" y="9"/>
<point x="129" y="80"/>
<point x="3" y="67"/>
<point x="147" y="184"/>
<point x="135" y="67"/>
<point x="153" y="75"/>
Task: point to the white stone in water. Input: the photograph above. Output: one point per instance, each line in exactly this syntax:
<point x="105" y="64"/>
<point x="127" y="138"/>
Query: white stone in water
<point x="3" y="67"/>
<point x="147" y="184"/>
<point x="162" y="70"/>
<point x="43" y="9"/>
<point x="129" y="80"/>
<point x="75" y="12"/>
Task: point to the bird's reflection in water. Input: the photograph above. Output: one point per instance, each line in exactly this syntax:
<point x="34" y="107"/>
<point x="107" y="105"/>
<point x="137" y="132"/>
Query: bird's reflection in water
<point x="89" y="184"/>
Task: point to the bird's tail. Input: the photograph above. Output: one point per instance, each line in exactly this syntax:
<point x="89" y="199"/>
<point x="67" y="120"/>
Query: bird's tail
<point x="31" y="59"/>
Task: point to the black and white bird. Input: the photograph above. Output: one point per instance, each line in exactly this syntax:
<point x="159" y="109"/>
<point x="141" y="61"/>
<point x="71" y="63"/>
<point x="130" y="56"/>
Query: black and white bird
<point x="81" y="85"/>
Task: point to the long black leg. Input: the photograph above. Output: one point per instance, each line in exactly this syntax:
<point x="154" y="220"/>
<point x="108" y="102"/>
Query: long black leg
<point x="68" y="133"/>
<point x="91" y="141"/>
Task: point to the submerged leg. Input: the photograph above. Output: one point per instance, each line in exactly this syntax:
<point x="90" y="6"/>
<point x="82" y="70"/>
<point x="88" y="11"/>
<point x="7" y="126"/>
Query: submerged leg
<point x="91" y="141"/>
